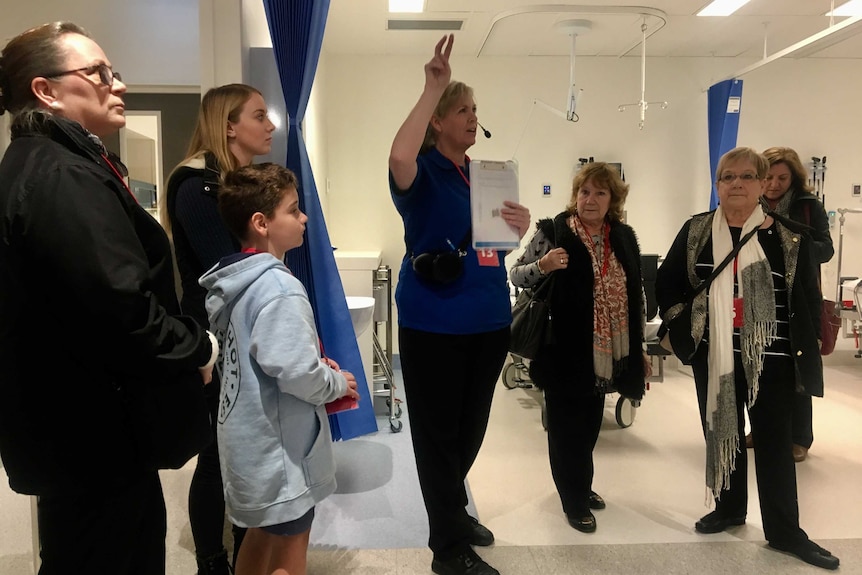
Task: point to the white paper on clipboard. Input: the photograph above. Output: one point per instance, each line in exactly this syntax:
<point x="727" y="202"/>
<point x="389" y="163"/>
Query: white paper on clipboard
<point x="492" y="183"/>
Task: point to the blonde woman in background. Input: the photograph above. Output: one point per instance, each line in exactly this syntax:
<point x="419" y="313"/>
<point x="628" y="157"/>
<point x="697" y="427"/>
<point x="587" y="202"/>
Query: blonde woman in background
<point x="788" y="193"/>
<point x="232" y="128"/>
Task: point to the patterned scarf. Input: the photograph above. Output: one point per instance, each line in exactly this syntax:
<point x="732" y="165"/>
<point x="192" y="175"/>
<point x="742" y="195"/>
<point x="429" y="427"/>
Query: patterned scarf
<point x="610" y="307"/>
<point x="755" y="287"/>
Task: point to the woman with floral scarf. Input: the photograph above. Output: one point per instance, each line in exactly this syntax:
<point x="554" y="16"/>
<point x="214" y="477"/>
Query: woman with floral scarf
<point x="756" y="329"/>
<point x="598" y="312"/>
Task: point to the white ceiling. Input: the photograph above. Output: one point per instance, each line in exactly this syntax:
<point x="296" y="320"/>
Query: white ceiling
<point x="527" y="28"/>
<point x="156" y="42"/>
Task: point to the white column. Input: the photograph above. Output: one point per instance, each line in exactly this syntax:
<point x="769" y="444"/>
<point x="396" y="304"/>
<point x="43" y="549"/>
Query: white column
<point x="221" y="43"/>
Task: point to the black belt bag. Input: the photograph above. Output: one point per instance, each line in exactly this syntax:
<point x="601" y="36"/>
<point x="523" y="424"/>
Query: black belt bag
<point x="441" y="267"/>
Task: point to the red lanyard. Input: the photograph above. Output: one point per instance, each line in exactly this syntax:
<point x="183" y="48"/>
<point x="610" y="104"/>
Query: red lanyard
<point x="457" y="167"/>
<point x="606" y="255"/>
<point x="252" y="251"/>
<point x="119" y="177"/>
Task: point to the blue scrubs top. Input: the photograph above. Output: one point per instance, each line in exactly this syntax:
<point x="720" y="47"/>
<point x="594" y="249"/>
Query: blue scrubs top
<point x="435" y="209"/>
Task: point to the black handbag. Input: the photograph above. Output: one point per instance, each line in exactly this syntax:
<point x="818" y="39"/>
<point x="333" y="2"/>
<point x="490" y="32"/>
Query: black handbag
<point x="674" y="334"/>
<point x="532" y="320"/>
<point x="170" y="419"/>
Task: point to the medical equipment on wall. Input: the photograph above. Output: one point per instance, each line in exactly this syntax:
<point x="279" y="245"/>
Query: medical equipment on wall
<point x="642" y="105"/>
<point x="849" y="290"/>
<point x="584" y="161"/>
<point x="817" y="180"/>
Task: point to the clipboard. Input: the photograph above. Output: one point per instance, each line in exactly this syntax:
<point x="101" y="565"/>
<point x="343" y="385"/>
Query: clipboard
<point x="492" y="183"/>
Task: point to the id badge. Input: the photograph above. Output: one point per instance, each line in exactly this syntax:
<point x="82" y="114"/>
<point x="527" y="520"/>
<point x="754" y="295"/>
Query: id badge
<point x="737" y="312"/>
<point x="488" y="258"/>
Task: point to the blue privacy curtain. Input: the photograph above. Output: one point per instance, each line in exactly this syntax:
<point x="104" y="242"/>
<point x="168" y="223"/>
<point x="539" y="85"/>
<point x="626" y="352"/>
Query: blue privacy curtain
<point x="724" y="102"/>
<point x="296" y="28"/>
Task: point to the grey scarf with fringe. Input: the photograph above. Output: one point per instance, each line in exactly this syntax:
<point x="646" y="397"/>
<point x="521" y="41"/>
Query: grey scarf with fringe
<point x="755" y="288"/>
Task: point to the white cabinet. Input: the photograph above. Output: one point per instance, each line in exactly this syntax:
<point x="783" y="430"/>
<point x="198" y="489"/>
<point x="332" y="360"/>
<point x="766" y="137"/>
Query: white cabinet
<point x="356" y="269"/>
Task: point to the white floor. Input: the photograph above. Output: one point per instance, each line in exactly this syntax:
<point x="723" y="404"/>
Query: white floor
<point x="650" y="474"/>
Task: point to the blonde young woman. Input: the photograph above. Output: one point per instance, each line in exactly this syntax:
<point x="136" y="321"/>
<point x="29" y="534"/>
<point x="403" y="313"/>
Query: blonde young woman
<point x="232" y="128"/>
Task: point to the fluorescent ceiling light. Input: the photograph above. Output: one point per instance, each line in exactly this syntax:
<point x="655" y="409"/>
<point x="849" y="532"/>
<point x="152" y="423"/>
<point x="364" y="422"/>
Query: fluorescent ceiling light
<point x="406" y="5"/>
<point x="722" y="7"/>
<point x="852" y="8"/>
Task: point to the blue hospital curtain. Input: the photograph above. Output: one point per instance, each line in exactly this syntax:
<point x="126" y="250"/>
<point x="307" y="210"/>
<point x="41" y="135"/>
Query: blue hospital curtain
<point x="296" y="28"/>
<point x="724" y="101"/>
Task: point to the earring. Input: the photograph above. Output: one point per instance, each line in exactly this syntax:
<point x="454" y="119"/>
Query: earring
<point x="54" y="105"/>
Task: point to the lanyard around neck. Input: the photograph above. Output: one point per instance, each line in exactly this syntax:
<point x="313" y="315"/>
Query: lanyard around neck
<point x="119" y="177"/>
<point x="606" y="253"/>
<point x="461" y="172"/>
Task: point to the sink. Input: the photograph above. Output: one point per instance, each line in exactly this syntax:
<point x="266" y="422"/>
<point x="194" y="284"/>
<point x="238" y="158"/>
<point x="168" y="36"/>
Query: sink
<point x="361" y="312"/>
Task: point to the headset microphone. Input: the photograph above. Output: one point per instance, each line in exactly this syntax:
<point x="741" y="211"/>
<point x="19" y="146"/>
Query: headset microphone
<point x="486" y="132"/>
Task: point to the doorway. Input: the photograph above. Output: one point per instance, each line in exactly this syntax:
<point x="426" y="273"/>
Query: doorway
<point x="141" y="152"/>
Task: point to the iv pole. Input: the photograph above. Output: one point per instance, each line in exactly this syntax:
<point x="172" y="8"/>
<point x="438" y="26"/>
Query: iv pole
<point x="643" y="105"/>
<point x="572" y="28"/>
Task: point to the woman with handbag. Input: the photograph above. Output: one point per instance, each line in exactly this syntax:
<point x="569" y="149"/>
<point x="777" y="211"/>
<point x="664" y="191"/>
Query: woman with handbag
<point x="595" y="346"/>
<point x="453" y="302"/>
<point x="92" y="340"/>
<point x="755" y="333"/>
<point x="788" y="193"/>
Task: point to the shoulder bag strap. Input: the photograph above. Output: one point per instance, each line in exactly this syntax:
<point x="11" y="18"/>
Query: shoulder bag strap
<point x="720" y="267"/>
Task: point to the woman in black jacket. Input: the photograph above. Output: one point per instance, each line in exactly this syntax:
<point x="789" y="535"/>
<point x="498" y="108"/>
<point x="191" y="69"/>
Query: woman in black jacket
<point x="597" y="304"/>
<point x="755" y="332"/>
<point x="232" y="128"/>
<point x="788" y="193"/>
<point x="88" y="314"/>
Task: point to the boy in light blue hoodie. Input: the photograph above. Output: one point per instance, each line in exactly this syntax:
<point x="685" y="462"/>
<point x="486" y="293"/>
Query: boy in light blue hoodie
<point x="273" y="433"/>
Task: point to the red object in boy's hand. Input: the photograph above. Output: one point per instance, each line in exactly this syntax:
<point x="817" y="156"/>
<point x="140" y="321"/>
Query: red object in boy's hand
<point x="345" y="403"/>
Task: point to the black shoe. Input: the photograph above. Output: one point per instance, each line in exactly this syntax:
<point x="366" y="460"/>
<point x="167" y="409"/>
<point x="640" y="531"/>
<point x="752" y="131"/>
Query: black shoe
<point x="596" y="501"/>
<point x="810" y="552"/>
<point x="465" y="563"/>
<point x="214" y="564"/>
<point x="585" y="524"/>
<point x="479" y="534"/>
<point x="715" y="522"/>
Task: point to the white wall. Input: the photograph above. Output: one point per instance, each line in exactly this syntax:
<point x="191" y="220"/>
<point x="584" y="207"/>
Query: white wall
<point x="805" y="104"/>
<point x="4" y="133"/>
<point x="316" y="135"/>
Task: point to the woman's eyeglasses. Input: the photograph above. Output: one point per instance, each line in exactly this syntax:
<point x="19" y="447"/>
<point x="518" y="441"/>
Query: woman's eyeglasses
<point x="746" y="178"/>
<point x="106" y="74"/>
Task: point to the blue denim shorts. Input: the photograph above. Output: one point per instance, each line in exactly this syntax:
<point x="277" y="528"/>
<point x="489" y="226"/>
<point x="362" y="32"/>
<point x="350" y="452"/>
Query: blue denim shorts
<point x="294" y="527"/>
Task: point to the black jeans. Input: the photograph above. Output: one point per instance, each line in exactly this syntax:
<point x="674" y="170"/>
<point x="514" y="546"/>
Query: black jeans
<point x="773" y="448"/>
<point x="119" y="531"/>
<point x="206" y="494"/>
<point x="449" y="384"/>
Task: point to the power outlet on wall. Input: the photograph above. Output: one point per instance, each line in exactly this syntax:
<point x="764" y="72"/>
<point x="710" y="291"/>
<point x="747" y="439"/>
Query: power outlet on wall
<point x="856" y="190"/>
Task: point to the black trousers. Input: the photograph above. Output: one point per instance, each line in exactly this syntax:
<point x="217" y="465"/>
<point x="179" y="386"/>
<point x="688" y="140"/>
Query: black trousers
<point x="775" y="469"/>
<point x="206" y="494"/>
<point x="803" y="429"/>
<point x="573" y="423"/>
<point x="449" y="383"/>
<point x="121" y="531"/>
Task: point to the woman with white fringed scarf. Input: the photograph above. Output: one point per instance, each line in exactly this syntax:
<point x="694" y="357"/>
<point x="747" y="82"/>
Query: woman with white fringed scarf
<point x="756" y="330"/>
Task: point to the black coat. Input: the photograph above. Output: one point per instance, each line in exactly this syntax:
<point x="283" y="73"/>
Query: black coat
<point x="86" y="309"/>
<point x="200" y="236"/>
<point x="569" y="360"/>
<point x="674" y="284"/>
